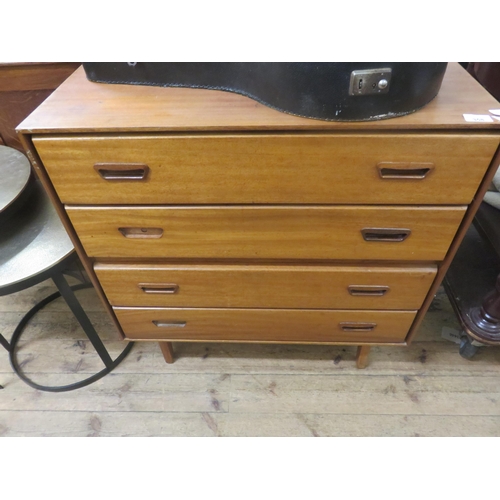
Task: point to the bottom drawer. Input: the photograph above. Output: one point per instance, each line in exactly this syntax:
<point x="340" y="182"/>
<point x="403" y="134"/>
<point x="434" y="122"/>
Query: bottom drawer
<point x="264" y="325"/>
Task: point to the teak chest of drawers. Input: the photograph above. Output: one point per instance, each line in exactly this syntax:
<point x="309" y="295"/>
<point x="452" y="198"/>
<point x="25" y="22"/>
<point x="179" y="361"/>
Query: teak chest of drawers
<point x="204" y="216"/>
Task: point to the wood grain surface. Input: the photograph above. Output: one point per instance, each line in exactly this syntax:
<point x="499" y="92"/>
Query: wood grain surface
<point x="280" y="232"/>
<point x="268" y="168"/>
<point x="97" y="107"/>
<point x="264" y="325"/>
<point x="278" y="286"/>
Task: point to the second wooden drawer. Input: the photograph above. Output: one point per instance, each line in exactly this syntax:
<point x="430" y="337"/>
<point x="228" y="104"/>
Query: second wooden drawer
<point x="258" y="286"/>
<point x="263" y="232"/>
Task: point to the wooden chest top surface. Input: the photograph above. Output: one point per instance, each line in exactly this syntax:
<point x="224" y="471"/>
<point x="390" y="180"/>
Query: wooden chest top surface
<point x="81" y="106"/>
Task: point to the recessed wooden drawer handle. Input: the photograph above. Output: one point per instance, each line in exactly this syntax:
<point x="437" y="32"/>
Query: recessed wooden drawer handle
<point x="169" y="324"/>
<point x="385" y="234"/>
<point x="368" y="290"/>
<point x="394" y="170"/>
<point x="159" y="287"/>
<point x="357" y="327"/>
<point x="122" y="171"/>
<point x="141" y="232"/>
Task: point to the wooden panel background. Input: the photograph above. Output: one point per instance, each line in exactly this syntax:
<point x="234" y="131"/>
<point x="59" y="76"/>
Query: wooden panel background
<point x="23" y="87"/>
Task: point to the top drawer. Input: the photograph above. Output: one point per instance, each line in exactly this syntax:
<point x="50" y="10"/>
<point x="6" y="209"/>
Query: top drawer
<point x="268" y="168"/>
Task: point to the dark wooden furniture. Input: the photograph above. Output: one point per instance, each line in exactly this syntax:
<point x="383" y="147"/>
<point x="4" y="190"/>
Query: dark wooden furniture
<point x="23" y="86"/>
<point x="472" y="282"/>
<point x="204" y="216"/>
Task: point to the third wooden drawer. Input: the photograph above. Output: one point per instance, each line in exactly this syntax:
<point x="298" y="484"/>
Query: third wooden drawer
<point x="265" y="286"/>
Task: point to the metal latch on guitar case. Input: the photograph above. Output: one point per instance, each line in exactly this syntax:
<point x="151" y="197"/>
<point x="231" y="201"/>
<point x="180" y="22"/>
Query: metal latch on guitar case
<point x="370" y="81"/>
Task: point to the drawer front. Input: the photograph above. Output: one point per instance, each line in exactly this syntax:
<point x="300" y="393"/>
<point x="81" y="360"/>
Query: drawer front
<point x="257" y="286"/>
<point x="264" y="325"/>
<point x="387" y="233"/>
<point x="269" y="169"/>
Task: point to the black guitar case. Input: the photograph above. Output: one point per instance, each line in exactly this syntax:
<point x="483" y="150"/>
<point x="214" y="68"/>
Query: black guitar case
<point x="327" y="91"/>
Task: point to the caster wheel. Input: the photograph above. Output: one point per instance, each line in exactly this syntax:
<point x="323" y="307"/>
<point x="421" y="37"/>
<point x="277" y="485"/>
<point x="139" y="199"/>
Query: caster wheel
<point x="467" y="350"/>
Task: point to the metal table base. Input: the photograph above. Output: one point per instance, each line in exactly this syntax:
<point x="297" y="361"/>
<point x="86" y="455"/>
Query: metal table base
<point x="67" y="292"/>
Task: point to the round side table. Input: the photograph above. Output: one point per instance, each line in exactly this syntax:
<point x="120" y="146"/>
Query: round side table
<point x="34" y="246"/>
<point x="15" y="173"/>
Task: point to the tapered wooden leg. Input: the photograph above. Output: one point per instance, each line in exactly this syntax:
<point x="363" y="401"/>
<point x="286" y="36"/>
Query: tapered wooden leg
<point x="168" y="351"/>
<point x="362" y="356"/>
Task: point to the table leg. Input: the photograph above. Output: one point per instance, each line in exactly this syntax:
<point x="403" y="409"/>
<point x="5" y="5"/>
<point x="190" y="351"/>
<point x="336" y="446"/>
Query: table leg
<point x="70" y="298"/>
<point x="4" y="342"/>
<point x="82" y="383"/>
<point x="168" y="351"/>
<point x="362" y="356"/>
